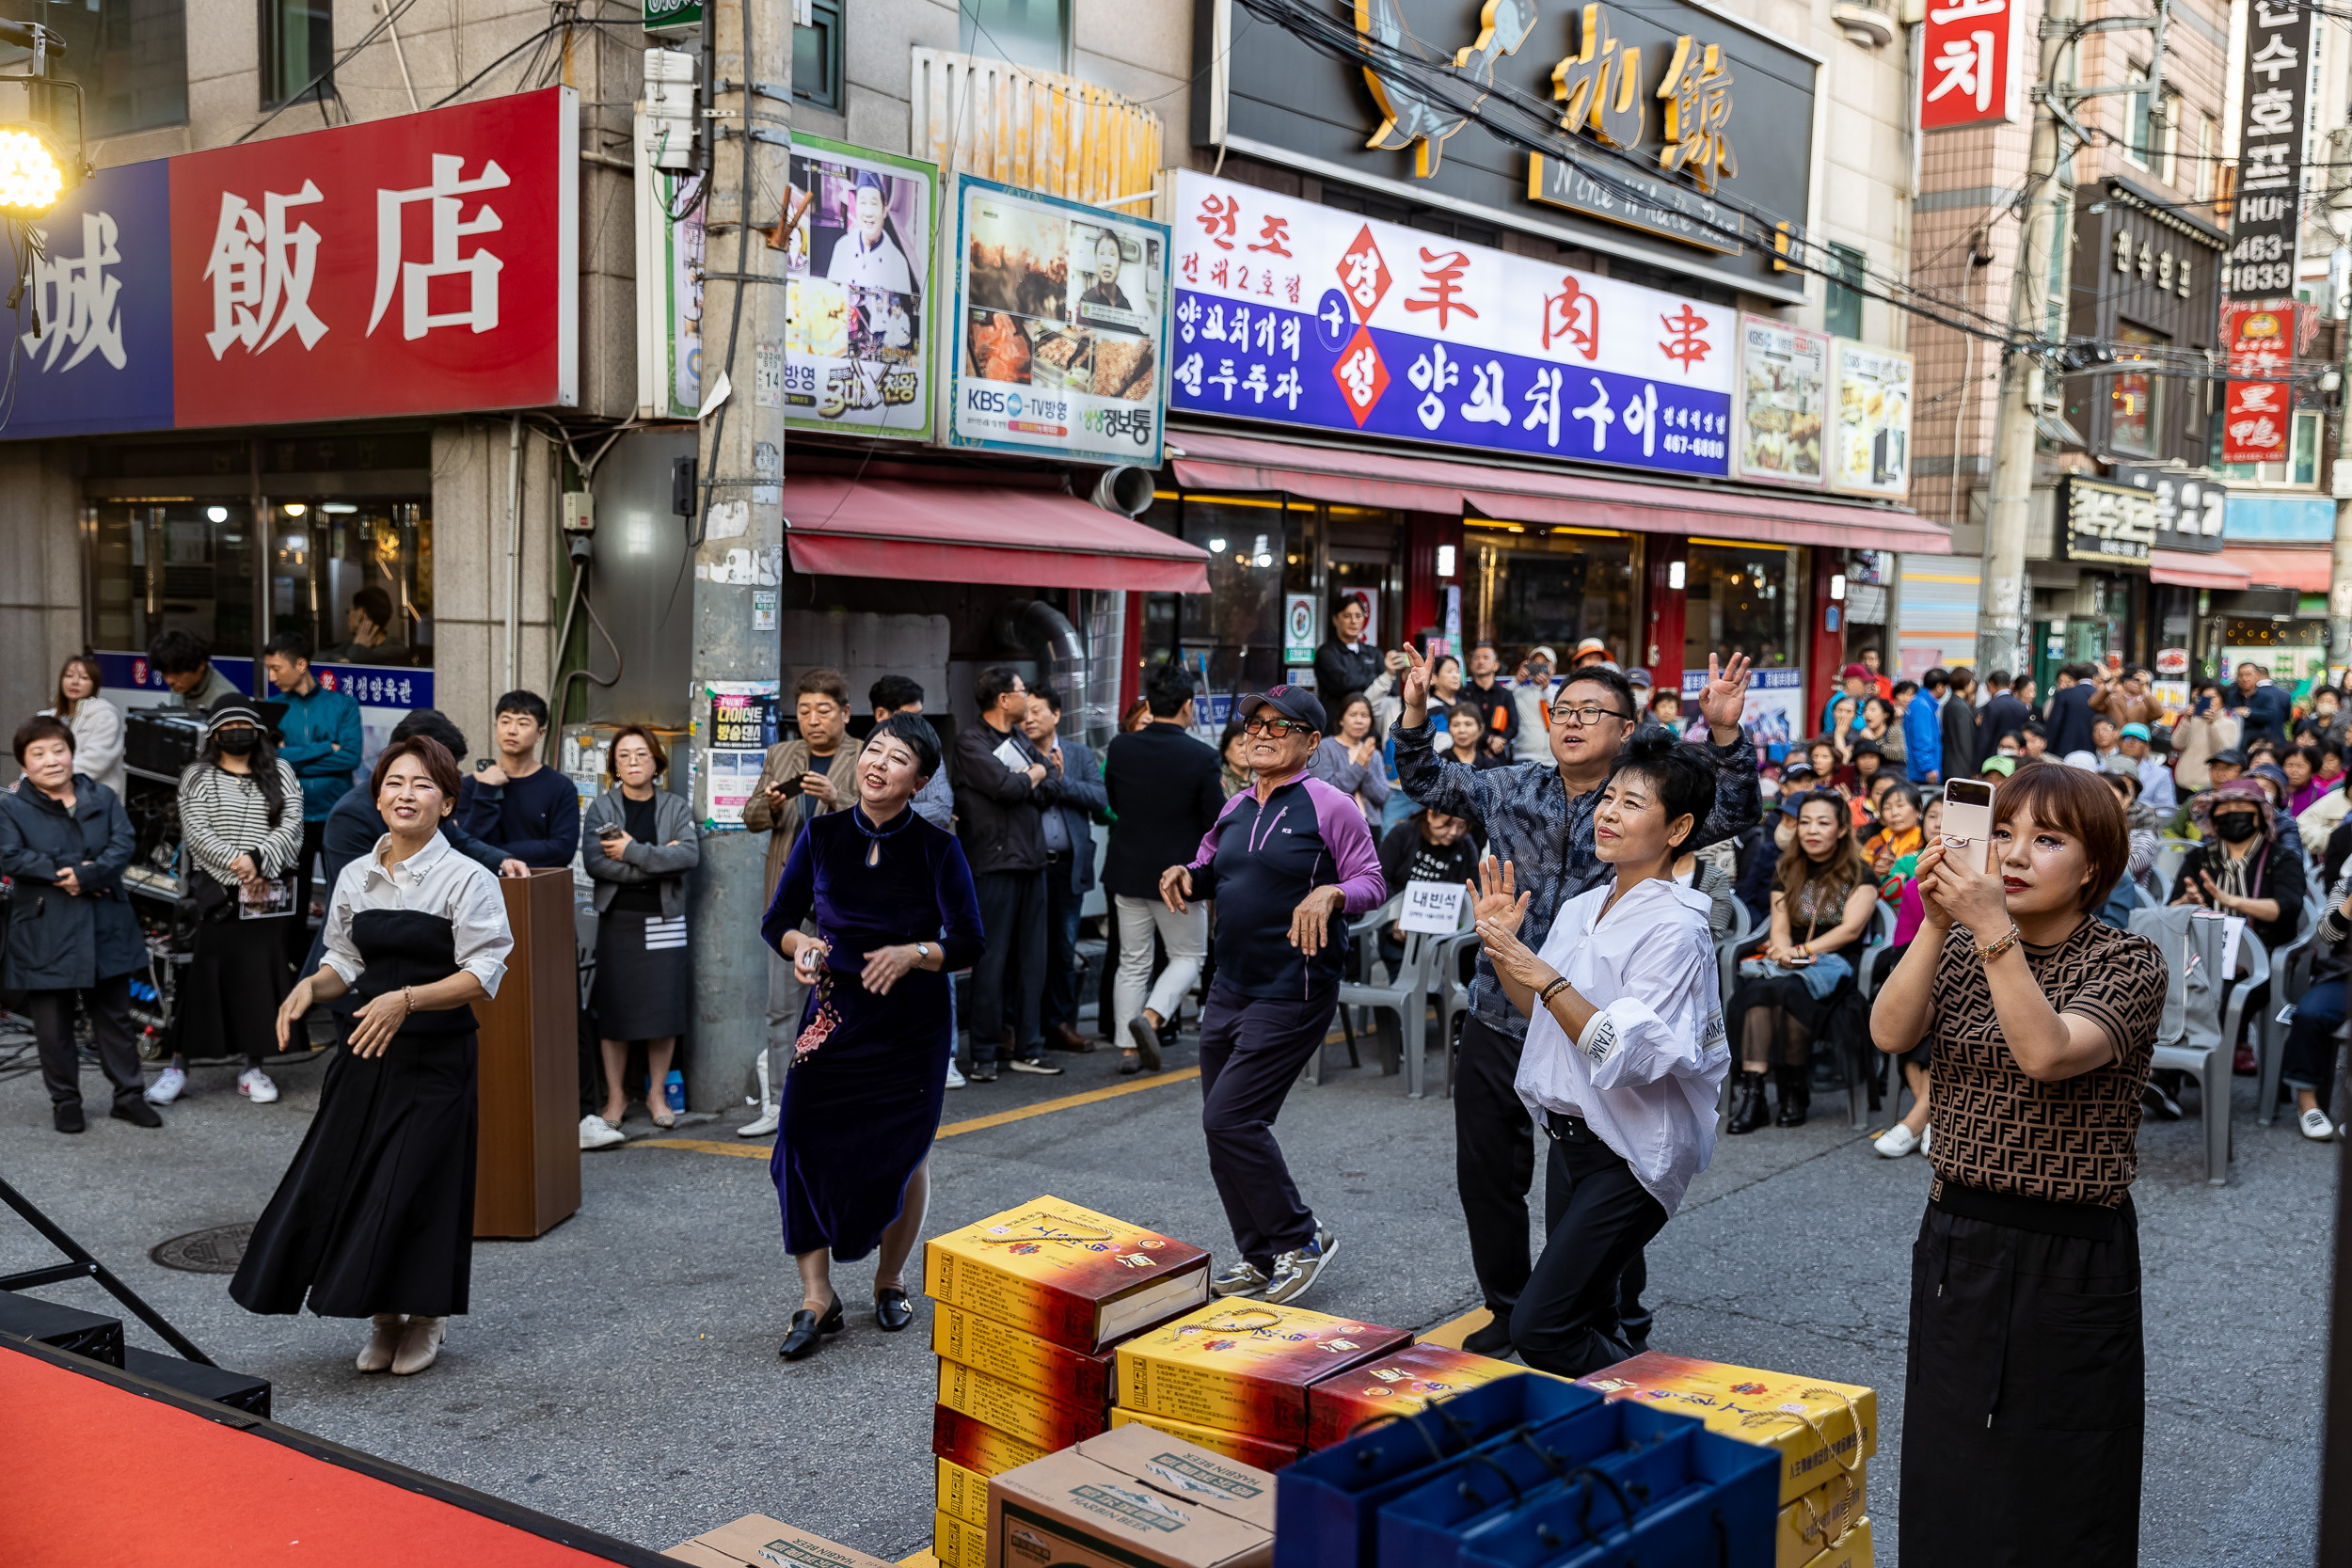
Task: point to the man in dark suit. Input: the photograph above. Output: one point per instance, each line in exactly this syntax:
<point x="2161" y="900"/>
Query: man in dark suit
<point x="1003" y="788"/>
<point x="1161" y="784"/>
<point x="1069" y="829"/>
<point x="1959" y="719"/>
<point x="2071" y="715"/>
<point x="2002" y="714"/>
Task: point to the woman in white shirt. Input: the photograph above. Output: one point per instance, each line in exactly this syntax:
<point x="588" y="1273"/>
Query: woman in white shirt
<point x="96" y="723"/>
<point x="1625" y="1050"/>
<point x="374" y="1217"/>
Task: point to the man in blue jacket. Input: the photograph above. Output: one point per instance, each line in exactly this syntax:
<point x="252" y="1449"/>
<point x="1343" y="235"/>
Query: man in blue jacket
<point x="321" y="741"/>
<point x="1923" y="728"/>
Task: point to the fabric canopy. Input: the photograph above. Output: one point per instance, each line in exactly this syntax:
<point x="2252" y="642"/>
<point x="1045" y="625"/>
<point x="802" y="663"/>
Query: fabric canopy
<point x="2187" y="569"/>
<point x="2304" y="570"/>
<point x="892" y="527"/>
<point x="1211" y="461"/>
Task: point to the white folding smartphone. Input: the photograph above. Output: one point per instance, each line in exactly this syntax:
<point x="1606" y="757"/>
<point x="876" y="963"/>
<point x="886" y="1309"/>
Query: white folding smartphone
<point x="1967" y="819"/>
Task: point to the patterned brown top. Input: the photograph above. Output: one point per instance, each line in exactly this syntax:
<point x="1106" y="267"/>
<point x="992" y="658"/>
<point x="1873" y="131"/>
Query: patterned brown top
<point x="2074" y="1141"/>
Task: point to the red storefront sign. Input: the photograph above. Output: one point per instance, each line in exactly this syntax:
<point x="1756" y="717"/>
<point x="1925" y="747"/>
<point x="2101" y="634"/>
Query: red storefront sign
<point x="426" y="263"/>
<point x="2257" y="412"/>
<point x="1973" y="64"/>
<point x="2254" y="421"/>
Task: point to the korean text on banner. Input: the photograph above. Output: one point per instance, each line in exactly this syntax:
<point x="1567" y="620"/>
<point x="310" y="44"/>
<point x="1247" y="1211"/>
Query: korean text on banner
<point x="1296" y="313"/>
<point x="857" y="339"/>
<point x="1976" y="61"/>
<point x="2272" y="94"/>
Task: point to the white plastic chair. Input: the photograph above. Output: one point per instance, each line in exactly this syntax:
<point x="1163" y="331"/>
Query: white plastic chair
<point x="2211" y="1068"/>
<point x="1874" y="941"/>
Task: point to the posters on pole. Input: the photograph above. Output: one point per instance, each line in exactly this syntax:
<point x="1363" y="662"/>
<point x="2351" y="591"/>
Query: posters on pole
<point x="1870" y="436"/>
<point x="2272" y="93"/>
<point x="735" y="723"/>
<point x="857" y="330"/>
<point x="1783" y="398"/>
<point x="1059" y="327"/>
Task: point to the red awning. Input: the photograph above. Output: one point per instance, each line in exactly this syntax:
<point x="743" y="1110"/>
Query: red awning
<point x="2187" y="569"/>
<point x="1362" y="478"/>
<point x="892" y="527"/>
<point x="2305" y="569"/>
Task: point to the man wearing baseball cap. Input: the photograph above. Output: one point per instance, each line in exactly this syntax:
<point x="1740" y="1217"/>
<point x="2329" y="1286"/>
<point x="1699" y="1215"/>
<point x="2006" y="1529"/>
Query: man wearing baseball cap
<point x="1587" y="653"/>
<point x="1288" y="859"/>
<point x="2156" y="791"/>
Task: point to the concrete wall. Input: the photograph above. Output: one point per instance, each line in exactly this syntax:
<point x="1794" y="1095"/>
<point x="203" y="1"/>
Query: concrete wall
<point x="470" y="570"/>
<point x="40" y="580"/>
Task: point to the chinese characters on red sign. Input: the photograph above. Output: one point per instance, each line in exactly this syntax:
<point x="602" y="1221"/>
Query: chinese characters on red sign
<point x="2257" y="412"/>
<point x="1972" y="58"/>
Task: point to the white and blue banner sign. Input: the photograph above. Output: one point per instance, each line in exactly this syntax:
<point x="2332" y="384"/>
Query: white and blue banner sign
<point x="1295" y="313"/>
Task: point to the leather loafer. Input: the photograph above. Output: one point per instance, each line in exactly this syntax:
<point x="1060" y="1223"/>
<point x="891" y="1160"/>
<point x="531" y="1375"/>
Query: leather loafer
<point x="808" y="1332"/>
<point x="893" y="1313"/>
<point x="1061" y="1036"/>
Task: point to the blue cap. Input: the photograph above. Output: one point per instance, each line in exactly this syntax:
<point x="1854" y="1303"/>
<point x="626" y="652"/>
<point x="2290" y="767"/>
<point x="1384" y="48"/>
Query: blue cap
<point x="2136" y="732"/>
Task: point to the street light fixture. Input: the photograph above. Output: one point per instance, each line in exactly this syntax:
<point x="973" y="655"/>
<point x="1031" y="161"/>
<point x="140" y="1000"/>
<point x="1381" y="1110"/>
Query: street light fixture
<point x="34" y="172"/>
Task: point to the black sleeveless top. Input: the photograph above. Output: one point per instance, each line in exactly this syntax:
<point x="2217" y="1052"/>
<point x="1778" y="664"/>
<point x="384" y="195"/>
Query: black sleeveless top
<point x="408" y="948"/>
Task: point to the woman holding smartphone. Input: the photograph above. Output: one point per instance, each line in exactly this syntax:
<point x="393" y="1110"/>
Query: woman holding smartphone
<point x="2023" y="1393"/>
<point x="637" y="842"/>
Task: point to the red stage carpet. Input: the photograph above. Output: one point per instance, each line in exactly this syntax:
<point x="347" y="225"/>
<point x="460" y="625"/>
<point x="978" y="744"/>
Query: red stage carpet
<point x="98" y="1470"/>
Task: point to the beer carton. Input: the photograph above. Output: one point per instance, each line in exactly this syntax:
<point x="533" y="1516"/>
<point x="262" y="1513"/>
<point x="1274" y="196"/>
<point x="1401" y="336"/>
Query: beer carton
<point x="1396" y="1385"/>
<point x="1066" y="1274"/>
<point x="1130" y="1500"/>
<point x="1245" y="1366"/>
<point x="1820" y="1519"/>
<point x="962" y="1493"/>
<point x="975" y="1446"/>
<point x="757" y="1541"/>
<point x="1038" y="1365"/>
<point x="1819" y="1428"/>
<point x="1016" y="1411"/>
<point x="1250" y="1450"/>
<point x="958" y="1542"/>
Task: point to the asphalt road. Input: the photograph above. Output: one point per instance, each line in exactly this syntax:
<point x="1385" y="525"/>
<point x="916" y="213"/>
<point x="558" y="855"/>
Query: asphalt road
<point x="621" y="1370"/>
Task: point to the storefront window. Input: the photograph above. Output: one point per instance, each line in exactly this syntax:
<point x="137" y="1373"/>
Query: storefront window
<point x="1236" y="626"/>
<point x="1558" y="588"/>
<point x="1741" y="598"/>
<point x="2133" y="397"/>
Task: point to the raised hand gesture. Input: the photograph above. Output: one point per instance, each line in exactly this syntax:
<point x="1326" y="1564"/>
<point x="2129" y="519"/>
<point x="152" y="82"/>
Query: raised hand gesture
<point x="1725" y="697"/>
<point x="1495" y="899"/>
<point x="1413" y="689"/>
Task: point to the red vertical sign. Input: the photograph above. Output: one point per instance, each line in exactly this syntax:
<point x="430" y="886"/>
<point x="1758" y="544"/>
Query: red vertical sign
<point x="1972" y="65"/>
<point x="2257" y="412"/>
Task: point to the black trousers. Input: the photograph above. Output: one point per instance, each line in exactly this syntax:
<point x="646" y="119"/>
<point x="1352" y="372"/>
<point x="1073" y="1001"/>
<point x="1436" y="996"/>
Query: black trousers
<point x="1494" y="1165"/>
<point x="1598" y="1218"/>
<point x="108" y="1003"/>
<point x="314" y="840"/>
<point x="1009" y="980"/>
<point x="1251" y="1051"/>
<point x="1063" y="906"/>
<point x="2024" y="1399"/>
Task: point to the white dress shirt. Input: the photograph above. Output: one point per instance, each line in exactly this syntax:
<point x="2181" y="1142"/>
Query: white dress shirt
<point x="1647" y="1071"/>
<point x="881" y="265"/>
<point x="435" y="880"/>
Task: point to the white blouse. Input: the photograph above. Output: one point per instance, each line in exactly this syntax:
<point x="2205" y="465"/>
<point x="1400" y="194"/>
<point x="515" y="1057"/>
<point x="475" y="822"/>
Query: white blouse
<point x="1647" y="1071"/>
<point x="437" y="880"/>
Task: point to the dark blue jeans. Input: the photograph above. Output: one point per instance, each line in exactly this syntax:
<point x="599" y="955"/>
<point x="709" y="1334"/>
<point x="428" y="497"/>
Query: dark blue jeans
<point x="2310" y="1060"/>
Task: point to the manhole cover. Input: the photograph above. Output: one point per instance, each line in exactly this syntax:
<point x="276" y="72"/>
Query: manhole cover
<point x="218" y="1250"/>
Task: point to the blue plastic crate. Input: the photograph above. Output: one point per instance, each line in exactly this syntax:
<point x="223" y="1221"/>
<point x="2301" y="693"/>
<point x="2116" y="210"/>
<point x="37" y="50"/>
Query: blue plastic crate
<point x="1698" y="1500"/>
<point x="1325" y="1505"/>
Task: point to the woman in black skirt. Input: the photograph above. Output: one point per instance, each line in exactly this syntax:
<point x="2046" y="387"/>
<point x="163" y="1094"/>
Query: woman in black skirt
<point x="637" y="842"/>
<point x="2023" y="1394"/>
<point x="375" y="1218"/>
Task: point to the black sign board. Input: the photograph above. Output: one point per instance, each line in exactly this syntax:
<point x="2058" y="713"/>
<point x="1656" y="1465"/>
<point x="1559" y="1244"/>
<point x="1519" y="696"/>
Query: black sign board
<point x="2189" y="507"/>
<point x="2274" y="91"/>
<point x="1711" y="110"/>
<point x="2112" y="525"/>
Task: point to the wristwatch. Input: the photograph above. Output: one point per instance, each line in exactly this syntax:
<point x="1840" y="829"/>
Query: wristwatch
<point x="922" y="954"/>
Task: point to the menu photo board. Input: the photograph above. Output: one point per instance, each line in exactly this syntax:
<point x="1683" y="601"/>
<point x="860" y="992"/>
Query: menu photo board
<point x="1060" y="327"/>
<point x="858" y="324"/>
<point x="2106" y="523"/>
<point x="1869" y="443"/>
<point x="1783" y="403"/>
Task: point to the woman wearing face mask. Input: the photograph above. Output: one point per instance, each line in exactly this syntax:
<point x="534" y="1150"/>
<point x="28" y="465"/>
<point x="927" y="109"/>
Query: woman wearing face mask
<point x="2023" y="1394"/>
<point x="2241" y="867"/>
<point x="241" y="826"/>
<point x="1625" y="1050"/>
<point x="1823" y="898"/>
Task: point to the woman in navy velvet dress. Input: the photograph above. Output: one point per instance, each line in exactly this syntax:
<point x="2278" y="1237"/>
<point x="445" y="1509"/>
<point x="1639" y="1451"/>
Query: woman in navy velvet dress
<point x="896" y="916"/>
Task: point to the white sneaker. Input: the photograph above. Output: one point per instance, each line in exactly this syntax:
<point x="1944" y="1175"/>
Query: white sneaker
<point x="255" y="1086"/>
<point x="1927" y="1138"/>
<point x="761" y="1127"/>
<point x="1896" y="1142"/>
<point x="167" y="1088"/>
<point x="2316" y="1127"/>
<point x="596" y="1132"/>
<point x="955" y="1079"/>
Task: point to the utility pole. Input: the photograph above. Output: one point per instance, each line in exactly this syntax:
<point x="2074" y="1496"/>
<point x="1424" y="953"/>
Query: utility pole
<point x="2340" y="571"/>
<point x="738" y="527"/>
<point x="2042" y="235"/>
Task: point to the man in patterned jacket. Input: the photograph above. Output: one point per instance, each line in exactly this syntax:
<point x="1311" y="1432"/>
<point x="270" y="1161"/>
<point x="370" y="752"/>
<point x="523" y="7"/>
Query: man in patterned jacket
<point x="1540" y="819"/>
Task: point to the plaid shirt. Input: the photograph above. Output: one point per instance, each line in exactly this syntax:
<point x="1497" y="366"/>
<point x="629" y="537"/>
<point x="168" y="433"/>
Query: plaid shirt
<point x="1528" y="819"/>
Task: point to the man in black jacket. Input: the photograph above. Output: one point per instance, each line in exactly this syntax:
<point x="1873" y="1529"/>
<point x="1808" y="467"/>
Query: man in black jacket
<point x="1162" y="786"/>
<point x="1348" y="662"/>
<point x="1003" y="788"/>
<point x="2070" y="712"/>
<point x="1959" y="719"/>
<point x="2003" y="714"/>
<point x="1069" y="830"/>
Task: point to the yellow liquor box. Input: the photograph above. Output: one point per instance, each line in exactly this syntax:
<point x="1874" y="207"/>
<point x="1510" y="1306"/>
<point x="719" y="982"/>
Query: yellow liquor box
<point x="1254" y="1451"/>
<point x="1038" y="1365"/>
<point x="1851" y="1552"/>
<point x="1244" y="1366"/>
<point x="1820" y="1518"/>
<point x="1064" y="1274"/>
<point x="958" y="1542"/>
<point x="962" y="1493"/>
<point x="757" y="1541"/>
<point x="1820" y="1428"/>
<point x="1396" y="1385"/>
<point x="1016" y="1411"/>
<point x="976" y="1446"/>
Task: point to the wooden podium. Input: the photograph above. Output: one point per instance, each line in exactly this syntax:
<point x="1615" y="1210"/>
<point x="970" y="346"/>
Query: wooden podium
<point x="527" y="1165"/>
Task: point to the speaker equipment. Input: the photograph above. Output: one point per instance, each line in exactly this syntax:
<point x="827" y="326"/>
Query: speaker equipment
<point x="161" y="742"/>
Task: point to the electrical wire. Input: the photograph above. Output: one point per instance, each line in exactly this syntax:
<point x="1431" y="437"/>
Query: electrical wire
<point x="343" y="58"/>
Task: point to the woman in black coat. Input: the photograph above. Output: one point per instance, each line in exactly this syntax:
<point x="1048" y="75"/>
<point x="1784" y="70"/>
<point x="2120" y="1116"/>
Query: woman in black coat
<point x="64" y="842"/>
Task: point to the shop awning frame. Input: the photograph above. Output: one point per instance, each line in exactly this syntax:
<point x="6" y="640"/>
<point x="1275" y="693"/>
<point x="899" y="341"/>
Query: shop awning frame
<point x="2188" y="569"/>
<point x="840" y="525"/>
<point x="2307" y="568"/>
<point x="1354" y="476"/>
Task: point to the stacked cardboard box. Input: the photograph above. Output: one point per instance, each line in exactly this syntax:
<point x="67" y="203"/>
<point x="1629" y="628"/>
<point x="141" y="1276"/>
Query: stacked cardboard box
<point x="1232" y="1376"/>
<point x="757" y="1541"/>
<point x="1825" y="1432"/>
<point x="1028" y="1306"/>
<point x="1397" y="1384"/>
<point x="1131" y="1500"/>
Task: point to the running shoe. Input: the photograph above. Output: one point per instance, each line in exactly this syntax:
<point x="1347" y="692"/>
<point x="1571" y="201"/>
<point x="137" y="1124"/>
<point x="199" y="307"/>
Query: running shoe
<point x="596" y="1132"/>
<point x="1294" y="1271"/>
<point x="1244" y="1279"/>
<point x="168" y="1088"/>
<point x="1037" y="1064"/>
<point x="955" y="1079"/>
<point x="255" y="1086"/>
<point x="2314" y="1125"/>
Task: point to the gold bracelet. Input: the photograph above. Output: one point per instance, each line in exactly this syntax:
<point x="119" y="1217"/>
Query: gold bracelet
<point x="1989" y="954"/>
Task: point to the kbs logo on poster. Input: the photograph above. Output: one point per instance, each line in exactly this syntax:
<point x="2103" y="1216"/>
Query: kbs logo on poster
<point x="1973" y="63"/>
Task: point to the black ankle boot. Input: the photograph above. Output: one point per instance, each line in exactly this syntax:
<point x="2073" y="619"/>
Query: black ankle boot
<point x="1747" y="1103"/>
<point x="1795" y="1085"/>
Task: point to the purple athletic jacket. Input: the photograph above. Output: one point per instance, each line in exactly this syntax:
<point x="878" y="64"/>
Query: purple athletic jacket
<point x="1258" y="861"/>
